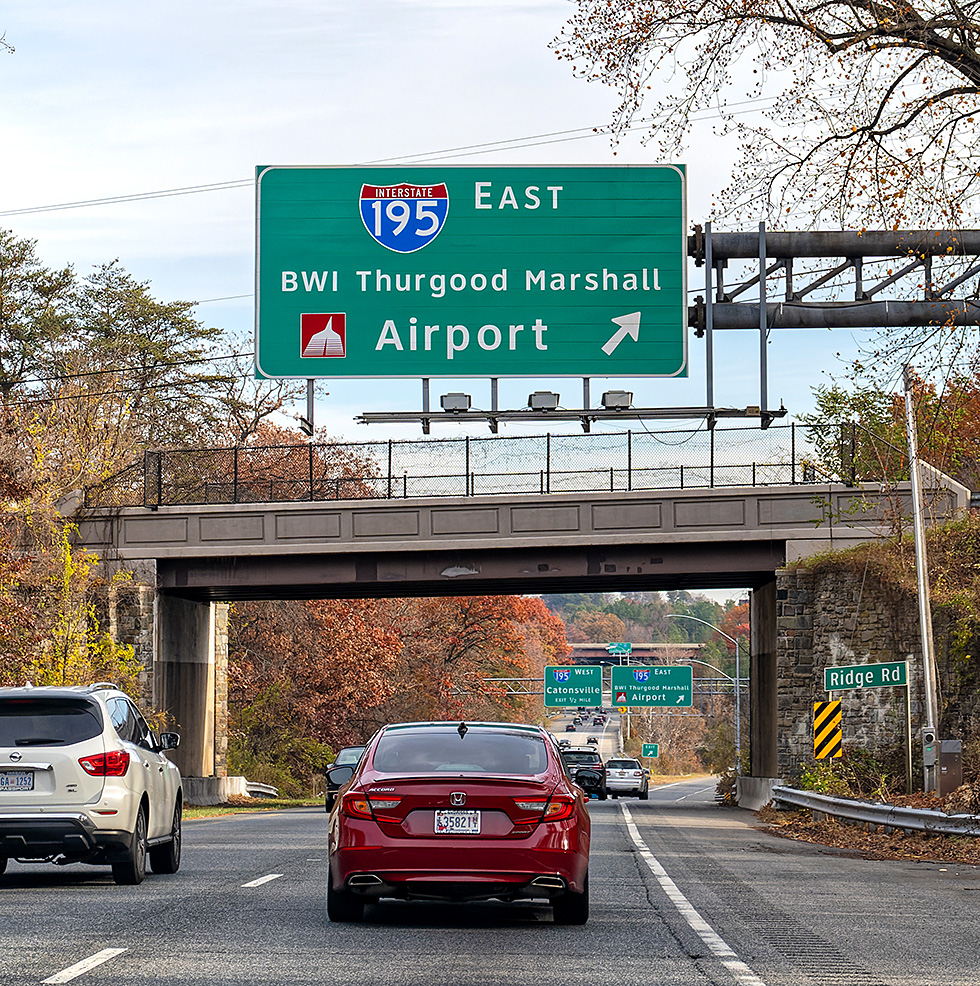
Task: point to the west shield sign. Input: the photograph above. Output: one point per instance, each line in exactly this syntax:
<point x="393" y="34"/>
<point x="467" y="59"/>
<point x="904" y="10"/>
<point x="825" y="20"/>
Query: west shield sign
<point x="471" y="271"/>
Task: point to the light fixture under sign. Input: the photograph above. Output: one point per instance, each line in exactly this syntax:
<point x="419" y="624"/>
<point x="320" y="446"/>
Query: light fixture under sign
<point x="455" y="402"/>
<point x="542" y="400"/>
<point x="617" y="399"/>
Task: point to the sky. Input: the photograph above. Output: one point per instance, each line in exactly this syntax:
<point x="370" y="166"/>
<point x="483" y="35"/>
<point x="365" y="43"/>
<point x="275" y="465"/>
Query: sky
<point x="107" y="99"/>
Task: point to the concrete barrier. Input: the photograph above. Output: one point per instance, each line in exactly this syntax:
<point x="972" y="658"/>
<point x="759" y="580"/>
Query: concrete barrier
<point x="754" y="792"/>
<point x="207" y="791"/>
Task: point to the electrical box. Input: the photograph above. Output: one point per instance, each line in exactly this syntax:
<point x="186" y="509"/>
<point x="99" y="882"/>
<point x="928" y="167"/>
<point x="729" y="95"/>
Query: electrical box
<point x="930" y="752"/>
<point x="950" y="766"/>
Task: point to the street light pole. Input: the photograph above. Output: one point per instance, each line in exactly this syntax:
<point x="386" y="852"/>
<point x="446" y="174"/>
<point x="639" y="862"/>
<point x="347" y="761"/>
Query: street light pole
<point x="738" y="684"/>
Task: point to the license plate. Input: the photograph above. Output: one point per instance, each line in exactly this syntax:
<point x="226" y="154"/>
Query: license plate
<point x="16" y="780"/>
<point x="457" y="823"/>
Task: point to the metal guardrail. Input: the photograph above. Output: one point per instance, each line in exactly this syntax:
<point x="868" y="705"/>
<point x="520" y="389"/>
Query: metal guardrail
<point x="890" y="816"/>
<point x="261" y="790"/>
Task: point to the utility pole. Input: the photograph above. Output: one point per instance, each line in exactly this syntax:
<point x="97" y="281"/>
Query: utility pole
<point x="925" y="609"/>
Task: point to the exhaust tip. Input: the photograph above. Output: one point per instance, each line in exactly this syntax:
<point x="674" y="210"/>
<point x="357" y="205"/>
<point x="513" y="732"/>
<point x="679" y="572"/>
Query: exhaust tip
<point x="548" y="882"/>
<point x="364" y="880"/>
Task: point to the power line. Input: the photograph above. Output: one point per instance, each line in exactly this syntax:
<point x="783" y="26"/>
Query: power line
<point x="134" y="197"/>
<point x="514" y="143"/>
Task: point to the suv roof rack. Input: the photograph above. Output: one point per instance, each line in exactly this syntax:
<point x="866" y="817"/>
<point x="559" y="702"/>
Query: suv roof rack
<point x="99" y="685"/>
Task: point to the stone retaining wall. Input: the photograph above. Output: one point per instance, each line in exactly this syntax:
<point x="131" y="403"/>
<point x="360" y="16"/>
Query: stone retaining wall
<point x="840" y="617"/>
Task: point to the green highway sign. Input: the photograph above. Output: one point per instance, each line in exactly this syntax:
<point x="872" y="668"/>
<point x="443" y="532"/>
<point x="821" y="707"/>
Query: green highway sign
<point x="866" y="676"/>
<point x="657" y="685"/>
<point x="471" y="271"/>
<point x="622" y="647"/>
<point x="573" y="684"/>
<point x="651" y="750"/>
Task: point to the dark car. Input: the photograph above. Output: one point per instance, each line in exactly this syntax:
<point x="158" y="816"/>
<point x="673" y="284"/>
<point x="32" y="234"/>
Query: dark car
<point x="347" y="757"/>
<point x="587" y="768"/>
<point x="459" y="812"/>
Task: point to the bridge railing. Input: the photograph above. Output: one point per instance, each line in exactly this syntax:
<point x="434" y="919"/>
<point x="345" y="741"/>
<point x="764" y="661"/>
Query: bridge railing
<point x="699" y="458"/>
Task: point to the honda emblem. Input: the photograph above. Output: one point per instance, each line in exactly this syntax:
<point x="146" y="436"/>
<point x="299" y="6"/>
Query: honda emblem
<point x="457" y="798"/>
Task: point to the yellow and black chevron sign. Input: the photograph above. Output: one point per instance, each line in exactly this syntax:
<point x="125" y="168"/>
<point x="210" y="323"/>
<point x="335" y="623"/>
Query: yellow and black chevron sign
<point x="828" y="736"/>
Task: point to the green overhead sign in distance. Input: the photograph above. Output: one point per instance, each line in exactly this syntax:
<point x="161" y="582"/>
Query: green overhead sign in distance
<point x="475" y="271"/>
<point x="573" y="684"/>
<point x="670" y="685"/>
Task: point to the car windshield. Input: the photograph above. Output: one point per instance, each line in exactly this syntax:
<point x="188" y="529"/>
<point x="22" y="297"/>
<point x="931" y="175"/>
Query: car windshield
<point x="349" y="755"/>
<point x="623" y="765"/>
<point x="47" y="722"/>
<point x="442" y="750"/>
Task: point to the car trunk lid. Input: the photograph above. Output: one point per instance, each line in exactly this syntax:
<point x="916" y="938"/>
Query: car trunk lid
<point x="467" y="806"/>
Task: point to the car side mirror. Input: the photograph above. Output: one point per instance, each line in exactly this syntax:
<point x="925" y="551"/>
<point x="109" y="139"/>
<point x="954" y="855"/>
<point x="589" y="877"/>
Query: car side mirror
<point x="588" y="779"/>
<point x="339" y="776"/>
<point x="169" y="741"/>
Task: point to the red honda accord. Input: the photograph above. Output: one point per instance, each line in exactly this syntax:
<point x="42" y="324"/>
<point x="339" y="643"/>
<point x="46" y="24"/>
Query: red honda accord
<point x="467" y="811"/>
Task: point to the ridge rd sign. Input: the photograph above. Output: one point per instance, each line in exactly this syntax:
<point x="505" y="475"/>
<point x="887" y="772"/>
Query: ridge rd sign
<point x="469" y="271"/>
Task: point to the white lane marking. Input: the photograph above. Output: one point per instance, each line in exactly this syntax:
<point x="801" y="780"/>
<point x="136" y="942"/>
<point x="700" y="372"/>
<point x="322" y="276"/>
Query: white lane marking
<point x="263" y="879"/>
<point x="710" y="787"/>
<point x="73" y="971"/>
<point x="719" y="948"/>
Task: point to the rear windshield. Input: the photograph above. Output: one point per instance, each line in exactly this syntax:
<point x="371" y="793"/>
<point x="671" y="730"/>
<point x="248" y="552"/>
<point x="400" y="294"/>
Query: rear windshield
<point x="48" y="722"/>
<point x="485" y="751"/>
<point x="623" y="764"/>
<point x="580" y="756"/>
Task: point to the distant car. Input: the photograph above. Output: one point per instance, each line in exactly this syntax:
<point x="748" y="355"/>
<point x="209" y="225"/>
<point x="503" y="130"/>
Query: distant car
<point x="84" y="779"/>
<point x="581" y="759"/>
<point x="625" y="775"/>
<point x="467" y="812"/>
<point x="564" y="744"/>
<point x="598" y="720"/>
<point x="347" y="757"/>
<point x="570" y="728"/>
<point x="592" y="739"/>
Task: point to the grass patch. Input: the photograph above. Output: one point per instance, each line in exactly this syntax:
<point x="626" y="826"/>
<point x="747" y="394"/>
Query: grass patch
<point x="243" y="806"/>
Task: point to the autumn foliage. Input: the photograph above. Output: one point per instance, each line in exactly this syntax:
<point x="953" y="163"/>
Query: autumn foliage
<point x="306" y="678"/>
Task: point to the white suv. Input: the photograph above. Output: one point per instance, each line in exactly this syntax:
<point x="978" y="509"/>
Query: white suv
<point x="83" y="779"/>
<point x="624" y="775"/>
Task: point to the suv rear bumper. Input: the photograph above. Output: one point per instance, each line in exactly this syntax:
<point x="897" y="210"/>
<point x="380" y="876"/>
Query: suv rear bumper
<point x="33" y="836"/>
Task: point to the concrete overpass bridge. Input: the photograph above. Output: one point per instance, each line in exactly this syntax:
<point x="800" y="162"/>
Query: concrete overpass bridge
<point x="193" y="558"/>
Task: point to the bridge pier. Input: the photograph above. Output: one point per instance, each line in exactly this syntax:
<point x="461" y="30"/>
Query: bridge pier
<point x="190" y="681"/>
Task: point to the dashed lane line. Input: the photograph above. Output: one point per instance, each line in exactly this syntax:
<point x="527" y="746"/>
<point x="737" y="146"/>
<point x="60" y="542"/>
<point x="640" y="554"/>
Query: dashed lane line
<point x="76" y="970"/>
<point x="268" y="878"/>
<point x="716" y="944"/>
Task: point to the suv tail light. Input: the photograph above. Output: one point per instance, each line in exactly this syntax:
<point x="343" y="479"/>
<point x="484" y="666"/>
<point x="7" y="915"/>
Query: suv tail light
<point x="115" y="763"/>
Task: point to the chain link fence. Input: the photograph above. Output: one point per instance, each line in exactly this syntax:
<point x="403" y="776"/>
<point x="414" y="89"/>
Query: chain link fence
<point x="506" y="466"/>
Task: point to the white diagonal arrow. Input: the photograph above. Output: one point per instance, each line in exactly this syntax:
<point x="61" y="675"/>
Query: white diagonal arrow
<point x="628" y="325"/>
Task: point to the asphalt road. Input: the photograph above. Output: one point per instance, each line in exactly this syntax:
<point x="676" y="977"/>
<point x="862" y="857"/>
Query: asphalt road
<point x="683" y="892"/>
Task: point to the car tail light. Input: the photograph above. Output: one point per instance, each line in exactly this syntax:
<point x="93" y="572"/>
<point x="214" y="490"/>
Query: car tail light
<point x="391" y="802"/>
<point x="531" y="804"/>
<point x="382" y="804"/>
<point x="559" y="807"/>
<point x="356" y="806"/>
<point x="637" y="773"/>
<point x="115" y="763"/>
